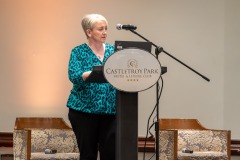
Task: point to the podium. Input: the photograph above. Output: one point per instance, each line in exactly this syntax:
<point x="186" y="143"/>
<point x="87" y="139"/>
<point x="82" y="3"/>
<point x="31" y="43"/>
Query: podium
<point x="127" y="126"/>
<point x="127" y="116"/>
<point x="129" y="75"/>
<point x="127" y="119"/>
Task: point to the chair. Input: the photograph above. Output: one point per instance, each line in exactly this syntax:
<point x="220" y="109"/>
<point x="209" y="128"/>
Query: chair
<point x="32" y="136"/>
<point x="206" y="144"/>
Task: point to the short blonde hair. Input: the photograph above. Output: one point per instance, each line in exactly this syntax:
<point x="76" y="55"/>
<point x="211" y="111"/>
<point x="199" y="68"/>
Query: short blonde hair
<point x="89" y="20"/>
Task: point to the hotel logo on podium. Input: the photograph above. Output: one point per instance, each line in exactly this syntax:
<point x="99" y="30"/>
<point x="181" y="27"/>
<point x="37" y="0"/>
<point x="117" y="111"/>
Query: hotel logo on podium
<point x="132" y="70"/>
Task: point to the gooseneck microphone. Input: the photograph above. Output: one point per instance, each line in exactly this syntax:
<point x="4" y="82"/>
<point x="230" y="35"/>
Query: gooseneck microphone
<point x="126" y="27"/>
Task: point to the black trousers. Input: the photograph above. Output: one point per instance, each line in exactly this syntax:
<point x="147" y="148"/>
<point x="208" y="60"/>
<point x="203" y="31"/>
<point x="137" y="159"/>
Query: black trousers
<point x="94" y="133"/>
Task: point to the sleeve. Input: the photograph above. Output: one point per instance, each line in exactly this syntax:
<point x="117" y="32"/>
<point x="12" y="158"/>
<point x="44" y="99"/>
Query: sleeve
<point x="75" y="69"/>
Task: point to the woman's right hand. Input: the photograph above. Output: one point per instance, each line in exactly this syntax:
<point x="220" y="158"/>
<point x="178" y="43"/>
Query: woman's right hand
<point x="85" y="75"/>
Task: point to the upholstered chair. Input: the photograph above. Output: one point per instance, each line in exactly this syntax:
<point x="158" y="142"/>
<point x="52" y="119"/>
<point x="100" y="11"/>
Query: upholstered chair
<point x="35" y="138"/>
<point x="176" y="136"/>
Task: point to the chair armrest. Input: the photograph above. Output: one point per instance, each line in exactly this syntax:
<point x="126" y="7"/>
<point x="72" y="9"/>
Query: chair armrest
<point x="21" y="147"/>
<point x="168" y="144"/>
<point x="227" y="135"/>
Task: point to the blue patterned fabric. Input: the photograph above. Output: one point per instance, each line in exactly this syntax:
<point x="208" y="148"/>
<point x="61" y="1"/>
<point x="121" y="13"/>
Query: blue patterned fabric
<point x="96" y="98"/>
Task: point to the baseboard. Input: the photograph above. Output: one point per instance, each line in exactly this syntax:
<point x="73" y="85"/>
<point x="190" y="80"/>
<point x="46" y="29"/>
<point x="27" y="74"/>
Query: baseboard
<point x="235" y="147"/>
<point x="147" y="145"/>
<point x="150" y="145"/>
<point x="6" y="139"/>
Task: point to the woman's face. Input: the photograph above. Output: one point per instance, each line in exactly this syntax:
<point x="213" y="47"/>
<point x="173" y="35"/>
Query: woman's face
<point x="99" y="32"/>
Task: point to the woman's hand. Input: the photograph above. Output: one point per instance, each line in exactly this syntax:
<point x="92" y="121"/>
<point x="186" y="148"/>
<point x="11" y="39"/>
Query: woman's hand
<point x="85" y="75"/>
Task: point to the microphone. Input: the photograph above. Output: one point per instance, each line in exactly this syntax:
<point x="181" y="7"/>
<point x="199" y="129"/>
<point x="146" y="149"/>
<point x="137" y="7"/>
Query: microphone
<point x="184" y="150"/>
<point x="50" y="151"/>
<point x="126" y="27"/>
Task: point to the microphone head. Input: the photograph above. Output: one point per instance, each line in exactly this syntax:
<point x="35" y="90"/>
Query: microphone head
<point x="134" y="27"/>
<point x="126" y="27"/>
<point x="119" y="26"/>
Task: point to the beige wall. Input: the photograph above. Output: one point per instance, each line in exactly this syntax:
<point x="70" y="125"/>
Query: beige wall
<point x="38" y="35"/>
<point x="231" y="67"/>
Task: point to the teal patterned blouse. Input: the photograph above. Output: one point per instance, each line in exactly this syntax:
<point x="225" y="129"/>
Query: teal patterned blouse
<point x="95" y="98"/>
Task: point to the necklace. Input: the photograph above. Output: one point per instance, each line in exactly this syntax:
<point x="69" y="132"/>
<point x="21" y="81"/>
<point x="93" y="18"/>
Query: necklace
<point x="97" y="52"/>
<point x="100" y="57"/>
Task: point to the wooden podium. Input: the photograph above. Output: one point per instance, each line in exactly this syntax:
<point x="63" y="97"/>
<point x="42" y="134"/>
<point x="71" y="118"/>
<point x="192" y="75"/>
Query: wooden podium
<point x="127" y="126"/>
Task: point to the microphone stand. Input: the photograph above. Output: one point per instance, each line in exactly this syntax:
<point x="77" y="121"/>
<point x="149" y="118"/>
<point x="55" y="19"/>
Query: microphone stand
<point x="158" y="50"/>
